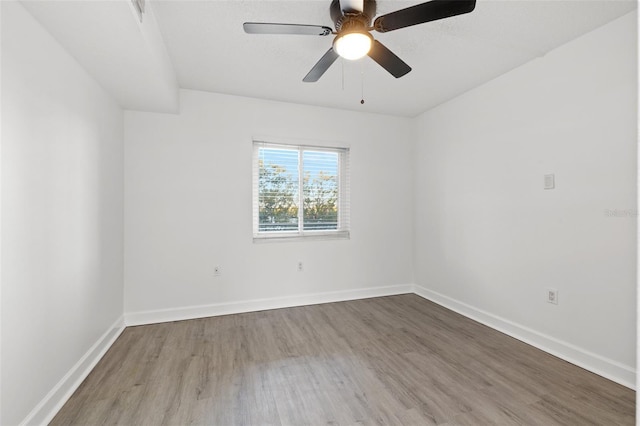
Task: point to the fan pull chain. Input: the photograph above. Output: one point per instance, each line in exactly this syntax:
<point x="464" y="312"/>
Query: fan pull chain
<point x="361" y="83"/>
<point x="342" y="63"/>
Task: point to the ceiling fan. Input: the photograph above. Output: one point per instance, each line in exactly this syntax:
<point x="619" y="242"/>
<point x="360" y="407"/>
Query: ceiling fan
<point x="352" y="19"/>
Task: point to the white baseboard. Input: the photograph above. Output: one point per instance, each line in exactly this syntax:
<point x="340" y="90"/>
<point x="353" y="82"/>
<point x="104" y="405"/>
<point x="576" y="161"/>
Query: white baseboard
<point x="191" y="312"/>
<point x="605" y="367"/>
<point x="45" y="411"/>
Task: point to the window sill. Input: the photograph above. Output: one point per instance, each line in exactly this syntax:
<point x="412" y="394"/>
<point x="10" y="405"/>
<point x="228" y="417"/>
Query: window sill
<point x="313" y="236"/>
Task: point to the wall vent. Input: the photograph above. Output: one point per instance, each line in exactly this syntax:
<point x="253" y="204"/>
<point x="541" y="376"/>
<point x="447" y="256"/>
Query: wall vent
<point x="138" y="5"/>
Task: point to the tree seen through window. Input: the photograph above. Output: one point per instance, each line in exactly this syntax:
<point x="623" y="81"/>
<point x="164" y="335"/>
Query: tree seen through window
<point x="280" y="197"/>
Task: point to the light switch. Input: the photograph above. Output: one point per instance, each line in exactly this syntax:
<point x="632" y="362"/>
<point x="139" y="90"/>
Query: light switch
<point x="549" y="181"/>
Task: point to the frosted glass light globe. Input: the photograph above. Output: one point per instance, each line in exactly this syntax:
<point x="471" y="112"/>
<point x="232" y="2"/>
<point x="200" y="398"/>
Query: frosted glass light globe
<point x="352" y="46"/>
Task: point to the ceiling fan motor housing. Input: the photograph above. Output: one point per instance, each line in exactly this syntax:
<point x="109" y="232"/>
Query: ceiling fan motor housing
<point x="350" y="20"/>
<point x="352" y="23"/>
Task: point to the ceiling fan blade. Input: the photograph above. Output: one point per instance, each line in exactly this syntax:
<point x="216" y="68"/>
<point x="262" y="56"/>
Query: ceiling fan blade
<point x="321" y="66"/>
<point x="352" y="5"/>
<point x="388" y="60"/>
<point x="421" y="13"/>
<point x="296" y="29"/>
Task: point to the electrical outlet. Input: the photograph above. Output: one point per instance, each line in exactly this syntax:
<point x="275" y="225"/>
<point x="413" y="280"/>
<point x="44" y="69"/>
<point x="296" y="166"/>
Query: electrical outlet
<point x="300" y="267"/>
<point x="552" y="296"/>
<point x="216" y="271"/>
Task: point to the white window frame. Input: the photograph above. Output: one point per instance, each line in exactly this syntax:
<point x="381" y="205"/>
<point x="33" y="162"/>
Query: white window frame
<point x="343" y="228"/>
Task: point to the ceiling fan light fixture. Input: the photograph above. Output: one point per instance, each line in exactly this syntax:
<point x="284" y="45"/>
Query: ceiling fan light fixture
<point x="353" y="45"/>
<point x="352" y="19"/>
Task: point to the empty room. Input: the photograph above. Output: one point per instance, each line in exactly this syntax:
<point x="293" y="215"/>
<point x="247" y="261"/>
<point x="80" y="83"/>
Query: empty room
<point x="287" y="212"/>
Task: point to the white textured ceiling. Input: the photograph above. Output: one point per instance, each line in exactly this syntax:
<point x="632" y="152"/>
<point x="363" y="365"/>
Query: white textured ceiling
<point x="209" y="51"/>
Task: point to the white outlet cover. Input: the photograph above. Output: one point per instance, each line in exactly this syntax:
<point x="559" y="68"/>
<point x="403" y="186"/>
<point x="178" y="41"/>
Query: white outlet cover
<point x="552" y="296"/>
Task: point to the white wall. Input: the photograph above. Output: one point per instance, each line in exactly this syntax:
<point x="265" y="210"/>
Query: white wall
<point x="188" y="206"/>
<point x="62" y="224"/>
<point x="489" y="238"/>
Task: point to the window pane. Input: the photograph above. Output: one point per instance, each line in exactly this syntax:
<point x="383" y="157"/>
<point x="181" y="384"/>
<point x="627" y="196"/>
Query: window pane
<point x="278" y="195"/>
<point x="320" y="190"/>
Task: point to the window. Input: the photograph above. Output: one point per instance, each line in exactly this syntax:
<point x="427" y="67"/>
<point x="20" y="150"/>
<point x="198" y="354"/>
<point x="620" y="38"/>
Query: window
<point x="300" y="191"/>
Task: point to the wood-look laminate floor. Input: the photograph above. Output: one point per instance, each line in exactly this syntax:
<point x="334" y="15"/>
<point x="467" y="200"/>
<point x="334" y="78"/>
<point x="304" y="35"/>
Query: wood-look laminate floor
<point x="390" y="360"/>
